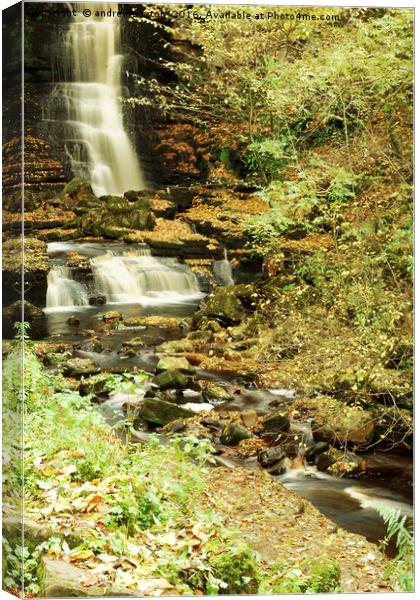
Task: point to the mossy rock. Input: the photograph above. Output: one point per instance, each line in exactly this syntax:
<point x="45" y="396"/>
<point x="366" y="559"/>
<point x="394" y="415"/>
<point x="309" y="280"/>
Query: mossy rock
<point x="171" y="379"/>
<point x="78" y="187"/>
<point x="232" y="434"/>
<point x="215" y="393"/>
<point x="80" y="366"/>
<point x="325" y="577"/>
<point x="100" y="384"/>
<point x="236" y="567"/>
<point x="335" y="421"/>
<point x="222" y="306"/>
<point x="160" y="412"/>
<point x="337" y="462"/>
<point x="171" y="363"/>
<point x="276" y="422"/>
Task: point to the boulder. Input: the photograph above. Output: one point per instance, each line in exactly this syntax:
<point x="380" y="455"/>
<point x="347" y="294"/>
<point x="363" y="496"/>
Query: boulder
<point x="160" y="412"/>
<point x="112" y="315"/>
<point x="80" y="366"/>
<point x="172" y="378"/>
<point x="77" y="188"/>
<point x="317" y="448"/>
<point x="170" y="363"/>
<point x="215" y="393"/>
<point x="232" y="434"/>
<point x="223" y="306"/>
<point x="338" y="462"/>
<point x="271" y="456"/>
<point x="334" y="421"/>
<point x="60" y="579"/>
<point x="110" y="216"/>
<point x="276" y="422"/>
<point x="97" y="300"/>
<point x="73" y="321"/>
<point x="100" y="384"/>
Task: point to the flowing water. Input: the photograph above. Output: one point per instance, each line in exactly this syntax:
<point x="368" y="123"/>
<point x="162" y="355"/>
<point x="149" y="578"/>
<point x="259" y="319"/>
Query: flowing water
<point x="223" y="270"/>
<point x="351" y="503"/>
<point x="97" y="143"/>
<point x="126" y="278"/>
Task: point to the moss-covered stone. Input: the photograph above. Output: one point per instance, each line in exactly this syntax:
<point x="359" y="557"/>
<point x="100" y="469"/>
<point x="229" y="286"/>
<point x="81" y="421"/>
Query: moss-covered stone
<point x="171" y="363"/>
<point x="161" y="412"/>
<point x="172" y="378"/>
<point x="232" y="434"/>
<point x="80" y="366"/>
<point x="236" y="567"/>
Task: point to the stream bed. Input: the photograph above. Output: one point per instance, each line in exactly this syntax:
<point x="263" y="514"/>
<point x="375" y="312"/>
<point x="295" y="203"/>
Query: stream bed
<point x="135" y="283"/>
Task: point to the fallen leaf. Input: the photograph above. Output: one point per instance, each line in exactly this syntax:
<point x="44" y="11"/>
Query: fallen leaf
<point x="80" y="555"/>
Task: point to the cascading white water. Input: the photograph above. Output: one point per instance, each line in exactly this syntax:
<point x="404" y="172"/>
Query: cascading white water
<point x="63" y="291"/>
<point x="133" y="277"/>
<point x="98" y="144"/>
<point x="223" y="270"/>
<point x="143" y="278"/>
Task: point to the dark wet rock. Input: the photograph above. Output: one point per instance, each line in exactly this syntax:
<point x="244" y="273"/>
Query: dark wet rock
<point x="181" y="195"/>
<point x="171" y="363"/>
<point x="279" y="468"/>
<point x="80" y="366"/>
<point x="317" y="448"/>
<point x="31" y="314"/>
<point x="97" y="300"/>
<point x="232" y="434"/>
<point x="338" y="462"/>
<point x="171" y="379"/>
<point x="276" y="422"/>
<point x="271" y="456"/>
<point x="73" y="321"/>
<point x="160" y="412"/>
<point x="394" y="429"/>
<point x="163" y="208"/>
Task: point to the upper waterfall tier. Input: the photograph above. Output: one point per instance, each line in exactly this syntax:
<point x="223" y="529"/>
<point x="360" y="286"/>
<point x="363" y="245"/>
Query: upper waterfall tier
<point x="97" y="143"/>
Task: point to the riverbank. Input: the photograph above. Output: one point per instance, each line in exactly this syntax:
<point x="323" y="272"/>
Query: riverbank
<point x="104" y="514"/>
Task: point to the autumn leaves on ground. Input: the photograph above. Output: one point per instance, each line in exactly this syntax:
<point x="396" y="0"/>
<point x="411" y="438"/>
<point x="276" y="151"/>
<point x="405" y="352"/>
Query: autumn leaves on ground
<point x="303" y="132"/>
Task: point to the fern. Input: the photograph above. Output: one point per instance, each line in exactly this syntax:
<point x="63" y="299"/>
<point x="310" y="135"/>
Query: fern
<point x="396" y="526"/>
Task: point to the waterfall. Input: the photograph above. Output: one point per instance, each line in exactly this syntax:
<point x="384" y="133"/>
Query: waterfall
<point x="97" y="143"/>
<point x="63" y="291"/>
<point x="138" y="277"/>
<point x="223" y="270"/>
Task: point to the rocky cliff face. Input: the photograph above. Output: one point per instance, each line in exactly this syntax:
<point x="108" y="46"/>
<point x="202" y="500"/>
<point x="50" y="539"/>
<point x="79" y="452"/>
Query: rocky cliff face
<point x="169" y="151"/>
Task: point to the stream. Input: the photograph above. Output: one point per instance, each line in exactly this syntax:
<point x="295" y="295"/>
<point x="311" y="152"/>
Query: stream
<point x="132" y="281"/>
